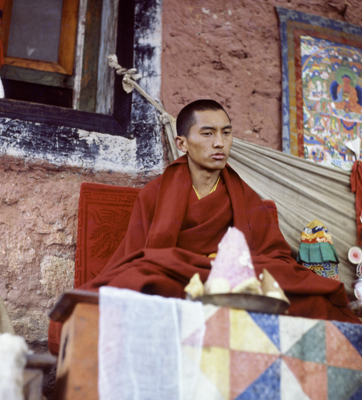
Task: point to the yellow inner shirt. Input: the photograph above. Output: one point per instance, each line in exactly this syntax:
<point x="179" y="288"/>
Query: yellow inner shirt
<point x="211" y="191"/>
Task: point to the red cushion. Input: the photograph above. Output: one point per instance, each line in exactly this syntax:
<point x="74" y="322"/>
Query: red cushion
<point x="103" y="216"/>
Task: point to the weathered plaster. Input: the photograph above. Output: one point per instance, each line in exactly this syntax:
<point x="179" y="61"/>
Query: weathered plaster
<point x="38" y="230"/>
<point x="145" y="124"/>
<point x="57" y="274"/>
<point x="67" y="146"/>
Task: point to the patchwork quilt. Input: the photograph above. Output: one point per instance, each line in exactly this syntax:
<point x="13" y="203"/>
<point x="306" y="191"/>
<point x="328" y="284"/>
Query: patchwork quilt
<point x="259" y="356"/>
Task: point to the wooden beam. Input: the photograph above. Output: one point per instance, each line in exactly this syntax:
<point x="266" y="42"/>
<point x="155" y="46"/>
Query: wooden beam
<point x="33" y="76"/>
<point x="5" y="24"/>
<point x="35" y="64"/>
<point x="68" y="33"/>
<point x="62" y="117"/>
<point x="88" y="90"/>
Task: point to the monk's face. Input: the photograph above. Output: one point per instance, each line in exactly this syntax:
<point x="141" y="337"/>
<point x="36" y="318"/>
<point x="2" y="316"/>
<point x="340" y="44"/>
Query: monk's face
<point x="209" y="141"/>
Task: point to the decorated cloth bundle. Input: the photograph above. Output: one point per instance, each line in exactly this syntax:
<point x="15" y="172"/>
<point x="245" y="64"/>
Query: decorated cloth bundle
<point x="316" y="251"/>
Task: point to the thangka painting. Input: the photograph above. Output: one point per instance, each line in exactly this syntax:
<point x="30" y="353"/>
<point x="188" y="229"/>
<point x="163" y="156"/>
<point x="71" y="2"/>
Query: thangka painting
<point x="322" y="87"/>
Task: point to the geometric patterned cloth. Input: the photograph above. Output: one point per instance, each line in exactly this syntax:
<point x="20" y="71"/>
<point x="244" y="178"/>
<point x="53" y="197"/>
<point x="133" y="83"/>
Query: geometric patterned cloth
<point x="256" y="356"/>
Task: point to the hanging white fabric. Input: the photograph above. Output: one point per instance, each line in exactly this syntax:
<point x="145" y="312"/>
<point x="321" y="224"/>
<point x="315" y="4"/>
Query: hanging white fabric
<point x="302" y="190"/>
<point x="140" y="346"/>
<point x="13" y="351"/>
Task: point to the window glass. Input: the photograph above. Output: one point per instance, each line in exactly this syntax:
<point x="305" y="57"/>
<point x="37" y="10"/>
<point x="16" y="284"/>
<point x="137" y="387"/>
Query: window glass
<point x="35" y="29"/>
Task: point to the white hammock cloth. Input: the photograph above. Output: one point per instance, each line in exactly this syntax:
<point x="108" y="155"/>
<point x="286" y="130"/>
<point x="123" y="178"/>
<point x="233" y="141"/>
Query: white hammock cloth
<point x="302" y="190"/>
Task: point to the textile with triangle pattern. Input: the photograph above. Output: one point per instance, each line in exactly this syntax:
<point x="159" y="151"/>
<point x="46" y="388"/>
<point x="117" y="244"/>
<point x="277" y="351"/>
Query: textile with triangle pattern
<point x="255" y="356"/>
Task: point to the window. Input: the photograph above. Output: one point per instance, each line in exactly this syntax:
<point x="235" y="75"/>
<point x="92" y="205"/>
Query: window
<point x="41" y="34"/>
<point x="39" y="41"/>
<point x="39" y="72"/>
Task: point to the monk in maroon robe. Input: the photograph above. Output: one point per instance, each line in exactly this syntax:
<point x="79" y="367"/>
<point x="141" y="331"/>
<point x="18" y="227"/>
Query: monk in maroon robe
<point x="179" y="218"/>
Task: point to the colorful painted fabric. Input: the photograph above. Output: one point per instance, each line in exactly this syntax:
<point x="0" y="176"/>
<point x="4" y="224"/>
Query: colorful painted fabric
<point x="326" y="269"/>
<point x="316" y="236"/>
<point x="316" y="251"/>
<point x="316" y="232"/>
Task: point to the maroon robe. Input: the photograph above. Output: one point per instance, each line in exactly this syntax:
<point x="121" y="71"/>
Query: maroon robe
<point x="171" y="232"/>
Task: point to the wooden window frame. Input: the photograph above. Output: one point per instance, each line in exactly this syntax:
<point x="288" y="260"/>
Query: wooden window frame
<point x="67" y="40"/>
<point x="114" y="124"/>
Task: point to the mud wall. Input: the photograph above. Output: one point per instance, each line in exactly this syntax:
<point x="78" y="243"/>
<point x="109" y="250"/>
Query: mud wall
<point x="38" y="230"/>
<point x="230" y="51"/>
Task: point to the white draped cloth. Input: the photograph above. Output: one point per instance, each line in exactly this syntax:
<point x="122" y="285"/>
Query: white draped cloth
<point x="13" y="351"/>
<point x="140" y="348"/>
<point x="303" y="191"/>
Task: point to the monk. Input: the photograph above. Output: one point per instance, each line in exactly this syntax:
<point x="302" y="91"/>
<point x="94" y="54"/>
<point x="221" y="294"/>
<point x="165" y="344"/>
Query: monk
<point x="179" y="218"/>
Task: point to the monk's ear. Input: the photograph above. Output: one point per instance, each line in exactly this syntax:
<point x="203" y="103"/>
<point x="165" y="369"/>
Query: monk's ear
<point x="181" y="143"/>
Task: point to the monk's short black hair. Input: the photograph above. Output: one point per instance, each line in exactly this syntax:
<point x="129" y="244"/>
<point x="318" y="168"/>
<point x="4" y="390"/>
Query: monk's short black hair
<point x="186" y="117"/>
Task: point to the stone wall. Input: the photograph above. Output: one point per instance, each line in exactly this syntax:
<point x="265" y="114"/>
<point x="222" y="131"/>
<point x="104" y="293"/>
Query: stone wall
<point x="230" y="51"/>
